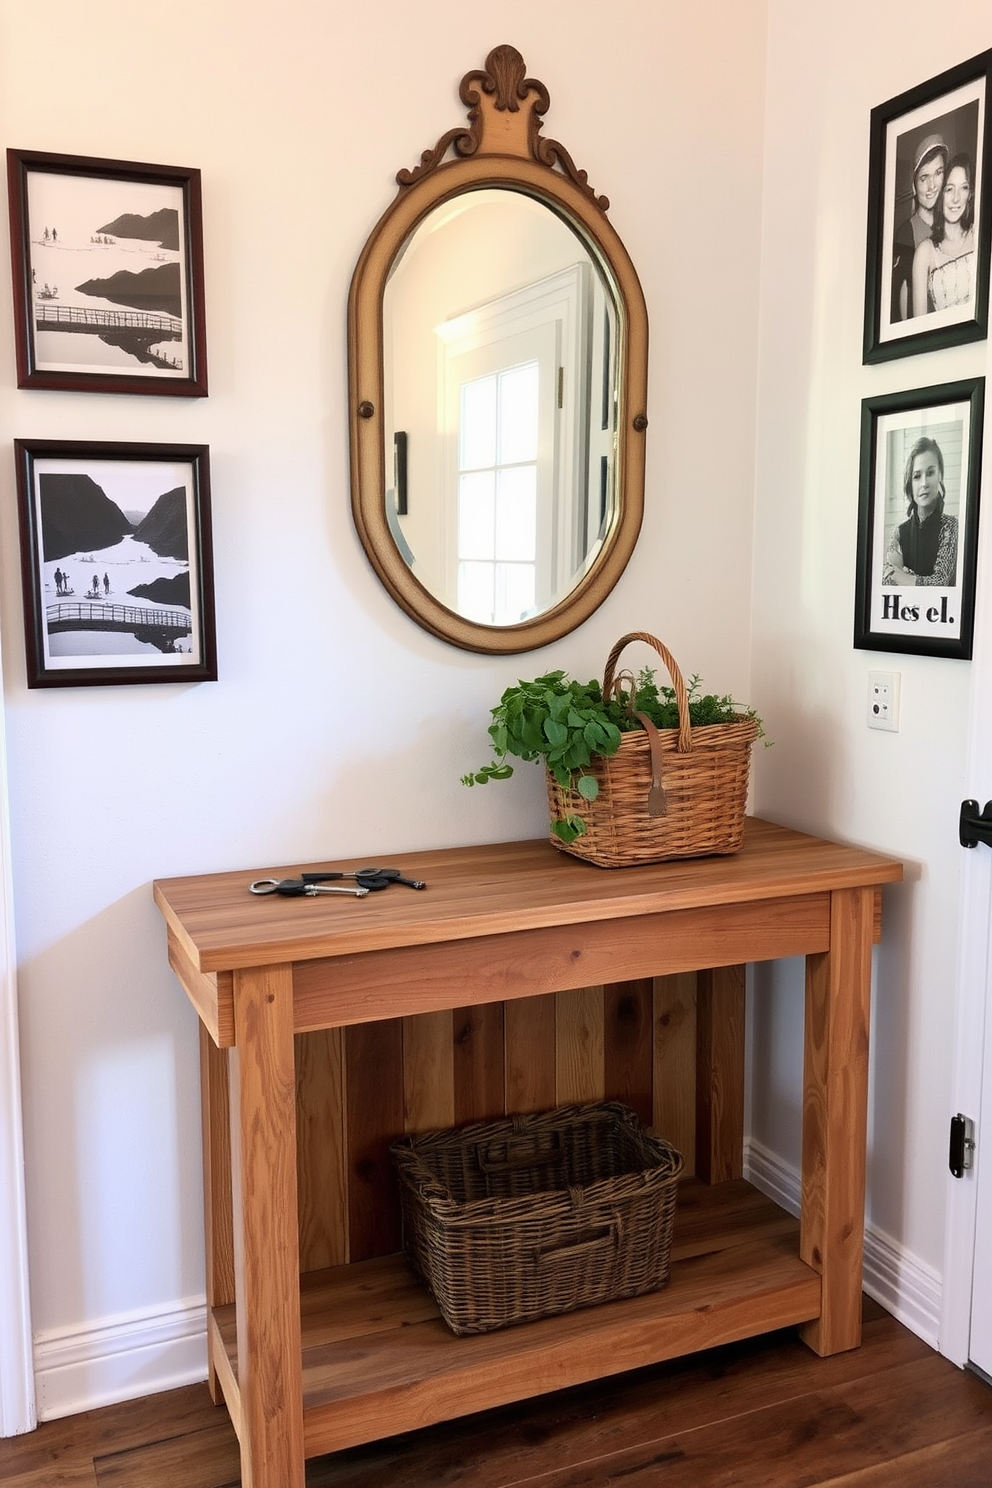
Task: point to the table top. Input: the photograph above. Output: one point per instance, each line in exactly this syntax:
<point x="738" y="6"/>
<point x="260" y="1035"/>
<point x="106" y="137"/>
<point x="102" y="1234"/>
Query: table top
<point x="491" y="889"/>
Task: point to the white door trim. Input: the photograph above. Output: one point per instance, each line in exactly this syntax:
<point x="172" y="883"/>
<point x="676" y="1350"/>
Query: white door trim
<point x="17" y="1402"/>
<point x="972" y="1025"/>
<point x="966" y="1097"/>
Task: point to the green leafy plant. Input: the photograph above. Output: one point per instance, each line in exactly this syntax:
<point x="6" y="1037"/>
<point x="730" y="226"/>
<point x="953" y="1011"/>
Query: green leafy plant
<point x="568" y="724"/>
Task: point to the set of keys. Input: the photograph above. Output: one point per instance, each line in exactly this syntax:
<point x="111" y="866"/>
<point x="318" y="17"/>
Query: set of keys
<point x="310" y="885"/>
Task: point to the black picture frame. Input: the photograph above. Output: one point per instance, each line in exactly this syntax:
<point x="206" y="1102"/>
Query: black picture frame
<point x="107" y="260"/>
<point x="949" y="116"/>
<point x="919" y="614"/>
<point x="116" y="562"/>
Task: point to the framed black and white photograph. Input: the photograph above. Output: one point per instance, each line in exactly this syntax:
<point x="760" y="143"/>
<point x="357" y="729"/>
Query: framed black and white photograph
<point x="918" y="520"/>
<point x="116" y="561"/>
<point x="927" y="273"/>
<point x="107" y="259"/>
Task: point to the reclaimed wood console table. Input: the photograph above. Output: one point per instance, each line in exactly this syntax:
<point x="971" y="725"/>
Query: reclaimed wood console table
<point x="520" y="979"/>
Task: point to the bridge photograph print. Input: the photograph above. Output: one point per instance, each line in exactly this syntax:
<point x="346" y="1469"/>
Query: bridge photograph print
<point x="107" y="259"/>
<point x="116" y="562"/>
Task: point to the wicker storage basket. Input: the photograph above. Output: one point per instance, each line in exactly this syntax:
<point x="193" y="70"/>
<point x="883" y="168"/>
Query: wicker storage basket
<point x="511" y="1220"/>
<point x="666" y="793"/>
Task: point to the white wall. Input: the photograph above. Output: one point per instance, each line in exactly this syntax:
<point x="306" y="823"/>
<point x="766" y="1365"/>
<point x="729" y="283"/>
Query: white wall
<point x="337" y="727"/>
<point x="827" y="67"/>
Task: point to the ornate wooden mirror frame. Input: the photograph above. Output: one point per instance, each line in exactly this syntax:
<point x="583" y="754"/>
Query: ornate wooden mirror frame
<point x="501" y="147"/>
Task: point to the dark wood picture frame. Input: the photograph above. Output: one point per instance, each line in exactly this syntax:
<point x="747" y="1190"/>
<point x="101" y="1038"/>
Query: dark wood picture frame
<point x="139" y="512"/>
<point x="89" y="313"/>
<point x="902" y="605"/>
<point x="947" y="117"/>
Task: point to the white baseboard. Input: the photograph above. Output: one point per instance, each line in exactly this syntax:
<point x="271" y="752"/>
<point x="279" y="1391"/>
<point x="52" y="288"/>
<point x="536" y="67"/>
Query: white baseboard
<point x="121" y="1358"/>
<point x="898" y="1281"/>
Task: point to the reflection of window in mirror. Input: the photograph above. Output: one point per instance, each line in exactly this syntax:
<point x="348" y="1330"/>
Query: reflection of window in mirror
<point x="513" y="399"/>
<point x="496" y="537"/>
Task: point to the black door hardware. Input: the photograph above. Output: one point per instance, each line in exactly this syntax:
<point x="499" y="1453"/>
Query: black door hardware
<point x="973" y="827"/>
<point x="962" y="1145"/>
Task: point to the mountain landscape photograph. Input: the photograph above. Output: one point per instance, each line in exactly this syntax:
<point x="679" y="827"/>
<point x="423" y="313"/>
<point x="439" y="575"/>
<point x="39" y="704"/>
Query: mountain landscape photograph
<point x="107" y="275"/>
<point x="114" y="561"/>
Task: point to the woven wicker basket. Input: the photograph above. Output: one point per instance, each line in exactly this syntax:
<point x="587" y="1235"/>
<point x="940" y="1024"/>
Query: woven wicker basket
<point x="512" y="1220"/>
<point x="666" y="793"/>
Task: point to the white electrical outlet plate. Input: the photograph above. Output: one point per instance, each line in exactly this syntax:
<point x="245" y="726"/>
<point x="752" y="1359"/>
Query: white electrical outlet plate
<point x="883" y="701"/>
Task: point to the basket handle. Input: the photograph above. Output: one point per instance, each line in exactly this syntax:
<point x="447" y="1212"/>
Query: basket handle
<point x="684" y="745"/>
<point x="519" y="1154"/>
<point x="521" y="1158"/>
<point x="607" y="1239"/>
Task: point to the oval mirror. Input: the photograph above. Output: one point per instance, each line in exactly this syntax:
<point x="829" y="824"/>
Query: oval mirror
<point x="497" y="378"/>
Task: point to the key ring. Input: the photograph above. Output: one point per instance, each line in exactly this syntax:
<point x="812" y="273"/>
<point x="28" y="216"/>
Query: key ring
<point x="303" y="888"/>
<point x="369" y="878"/>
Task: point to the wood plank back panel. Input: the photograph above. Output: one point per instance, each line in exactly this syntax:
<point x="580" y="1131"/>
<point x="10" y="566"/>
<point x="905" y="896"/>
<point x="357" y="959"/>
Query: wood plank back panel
<point x="579" y="1046"/>
<point x="674" y="1063"/>
<point x="720" y="1073"/>
<point x="373" y="1102"/>
<point x="478" y="1063"/>
<point x="359" y="1088"/>
<point x="321" y="1158"/>
<point x="428" y="1072"/>
<point x="628" y="1055"/>
<point x="529" y="1032"/>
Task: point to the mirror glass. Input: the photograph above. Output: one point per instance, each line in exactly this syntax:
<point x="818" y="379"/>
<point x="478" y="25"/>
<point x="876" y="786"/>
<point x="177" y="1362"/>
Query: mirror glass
<point x="499" y="405"/>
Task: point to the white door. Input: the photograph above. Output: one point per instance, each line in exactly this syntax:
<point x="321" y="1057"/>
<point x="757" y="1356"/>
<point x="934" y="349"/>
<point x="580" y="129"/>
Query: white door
<point x="966" y="1312"/>
<point x="966" y="1322"/>
<point x="980" y="1347"/>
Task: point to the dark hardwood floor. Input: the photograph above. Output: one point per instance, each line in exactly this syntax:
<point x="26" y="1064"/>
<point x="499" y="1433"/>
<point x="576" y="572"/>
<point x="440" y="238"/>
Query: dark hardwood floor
<point x="765" y="1412"/>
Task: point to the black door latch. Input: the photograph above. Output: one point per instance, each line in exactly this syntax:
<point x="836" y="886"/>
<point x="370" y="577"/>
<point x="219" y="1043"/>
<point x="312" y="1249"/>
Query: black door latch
<point x="962" y="1147"/>
<point x="973" y="827"/>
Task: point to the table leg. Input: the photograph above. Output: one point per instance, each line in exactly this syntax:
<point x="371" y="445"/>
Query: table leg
<point x="266" y="1240"/>
<point x="218" y="1235"/>
<point x="835" y="1118"/>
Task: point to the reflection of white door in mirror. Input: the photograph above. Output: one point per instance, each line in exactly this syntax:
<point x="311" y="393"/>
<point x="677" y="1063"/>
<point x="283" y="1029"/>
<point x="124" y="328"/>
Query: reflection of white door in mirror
<point x="493" y="218"/>
<point x="553" y="318"/>
<point x="516" y="477"/>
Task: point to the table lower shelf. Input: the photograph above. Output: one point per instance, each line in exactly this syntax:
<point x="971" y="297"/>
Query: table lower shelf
<point x="378" y="1359"/>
